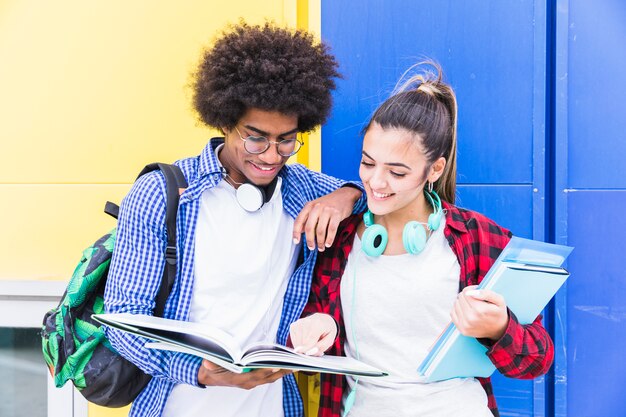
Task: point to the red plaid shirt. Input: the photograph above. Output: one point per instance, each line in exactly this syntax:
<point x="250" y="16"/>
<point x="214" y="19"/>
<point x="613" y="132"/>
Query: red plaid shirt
<point x="524" y="351"/>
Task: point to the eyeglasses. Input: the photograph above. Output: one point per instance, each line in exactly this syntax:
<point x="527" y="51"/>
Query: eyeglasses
<point x="259" y="144"/>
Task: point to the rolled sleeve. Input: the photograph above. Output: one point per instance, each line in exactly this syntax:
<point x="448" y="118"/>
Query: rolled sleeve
<point x="184" y="369"/>
<point x="524" y="351"/>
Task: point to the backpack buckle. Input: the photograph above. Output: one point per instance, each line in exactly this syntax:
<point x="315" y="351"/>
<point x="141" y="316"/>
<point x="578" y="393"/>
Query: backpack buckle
<point x="170" y="255"/>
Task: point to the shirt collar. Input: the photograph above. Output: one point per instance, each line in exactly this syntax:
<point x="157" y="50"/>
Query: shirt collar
<point x="454" y="219"/>
<point x="209" y="164"/>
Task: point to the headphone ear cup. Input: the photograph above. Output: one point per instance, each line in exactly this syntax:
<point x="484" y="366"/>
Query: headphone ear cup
<point x="374" y="240"/>
<point x="414" y="237"/>
<point x="250" y="197"/>
<point x="434" y="220"/>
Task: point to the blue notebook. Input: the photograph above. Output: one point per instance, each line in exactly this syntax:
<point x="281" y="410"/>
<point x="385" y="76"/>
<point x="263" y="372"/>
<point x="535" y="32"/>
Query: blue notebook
<point x="527" y="274"/>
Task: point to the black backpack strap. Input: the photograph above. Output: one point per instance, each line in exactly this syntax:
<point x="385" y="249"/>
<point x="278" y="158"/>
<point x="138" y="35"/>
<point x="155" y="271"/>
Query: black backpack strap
<point x="175" y="182"/>
<point x="112" y="209"/>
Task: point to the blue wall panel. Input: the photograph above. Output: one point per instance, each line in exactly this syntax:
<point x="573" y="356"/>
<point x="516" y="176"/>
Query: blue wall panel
<point x="589" y="199"/>
<point x="596" y="306"/>
<point x="592" y="196"/>
<point x="597" y="88"/>
<point x="508" y="205"/>
<point x="487" y="52"/>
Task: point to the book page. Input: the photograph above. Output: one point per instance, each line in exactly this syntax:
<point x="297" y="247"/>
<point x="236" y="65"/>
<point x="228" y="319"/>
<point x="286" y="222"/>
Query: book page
<point x="282" y="359"/>
<point x="190" y="351"/>
<point x="184" y="333"/>
<point x="266" y="347"/>
<point x="297" y="361"/>
<point x="537" y="268"/>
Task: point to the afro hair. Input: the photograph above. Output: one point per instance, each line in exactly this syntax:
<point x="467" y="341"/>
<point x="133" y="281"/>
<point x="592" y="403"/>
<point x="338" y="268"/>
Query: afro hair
<point x="265" y="67"/>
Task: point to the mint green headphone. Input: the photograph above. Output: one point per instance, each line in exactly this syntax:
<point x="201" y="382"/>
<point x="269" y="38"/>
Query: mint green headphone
<point x="414" y="234"/>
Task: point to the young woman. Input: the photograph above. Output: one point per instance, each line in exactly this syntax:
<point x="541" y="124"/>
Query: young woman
<point x="397" y="274"/>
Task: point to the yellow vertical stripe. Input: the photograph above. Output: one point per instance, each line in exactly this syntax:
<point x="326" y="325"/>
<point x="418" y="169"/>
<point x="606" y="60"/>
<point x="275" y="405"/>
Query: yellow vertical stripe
<point x="309" y="13"/>
<point x="308" y="17"/>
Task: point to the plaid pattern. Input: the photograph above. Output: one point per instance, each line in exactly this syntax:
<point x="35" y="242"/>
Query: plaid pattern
<point x="138" y="261"/>
<point x="523" y="352"/>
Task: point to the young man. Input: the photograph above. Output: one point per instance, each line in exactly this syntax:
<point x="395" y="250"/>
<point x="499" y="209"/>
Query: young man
<point x="241" y="266"/>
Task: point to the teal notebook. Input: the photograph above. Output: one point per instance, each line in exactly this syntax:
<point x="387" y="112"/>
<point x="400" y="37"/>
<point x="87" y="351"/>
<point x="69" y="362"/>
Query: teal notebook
<point x="527" y="274"/>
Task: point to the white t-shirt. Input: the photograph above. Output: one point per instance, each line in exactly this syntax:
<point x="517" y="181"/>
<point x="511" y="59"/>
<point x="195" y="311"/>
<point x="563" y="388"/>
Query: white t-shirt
<point x="401" y="305"/>
<point x="243" y="264"/>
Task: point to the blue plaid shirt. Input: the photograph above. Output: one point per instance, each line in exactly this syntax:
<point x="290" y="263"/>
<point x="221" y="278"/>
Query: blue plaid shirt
<point x="138" y="261"/>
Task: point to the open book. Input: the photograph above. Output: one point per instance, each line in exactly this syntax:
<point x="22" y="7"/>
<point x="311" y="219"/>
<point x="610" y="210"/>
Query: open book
<point x="222" y="349"/>
<point x="527" y="274"/>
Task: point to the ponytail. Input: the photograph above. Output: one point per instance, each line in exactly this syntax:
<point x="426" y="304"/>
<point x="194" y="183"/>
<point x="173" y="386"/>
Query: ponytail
<point x="445" y="186"/>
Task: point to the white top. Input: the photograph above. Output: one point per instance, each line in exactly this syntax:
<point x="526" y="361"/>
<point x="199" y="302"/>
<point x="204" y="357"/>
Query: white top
<point x="402" y="304"/>
<point x="243" y="264"/>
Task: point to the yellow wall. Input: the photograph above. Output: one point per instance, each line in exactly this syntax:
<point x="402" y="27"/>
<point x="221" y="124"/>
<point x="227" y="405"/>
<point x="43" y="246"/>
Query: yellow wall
<point x="90" y="91"/>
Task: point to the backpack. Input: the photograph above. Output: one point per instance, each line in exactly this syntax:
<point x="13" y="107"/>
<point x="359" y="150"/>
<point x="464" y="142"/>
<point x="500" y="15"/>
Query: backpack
<point x="74" y="345"/>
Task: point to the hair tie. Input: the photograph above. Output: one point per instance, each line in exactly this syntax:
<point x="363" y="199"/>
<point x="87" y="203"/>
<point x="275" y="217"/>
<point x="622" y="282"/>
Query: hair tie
<point x="428" y="88"/>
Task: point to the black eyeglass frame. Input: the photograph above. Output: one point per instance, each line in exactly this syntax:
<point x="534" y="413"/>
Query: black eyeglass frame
<point x="297" y="144"/>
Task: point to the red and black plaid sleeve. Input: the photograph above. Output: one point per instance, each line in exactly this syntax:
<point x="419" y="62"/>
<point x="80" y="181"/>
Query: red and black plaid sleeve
<point x="524" y="351"/>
